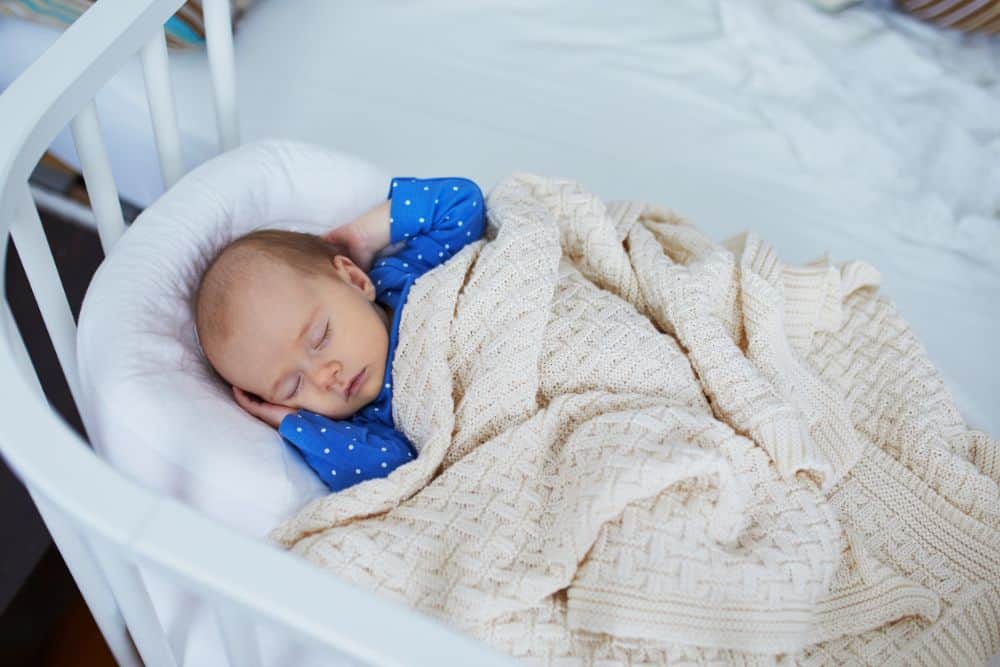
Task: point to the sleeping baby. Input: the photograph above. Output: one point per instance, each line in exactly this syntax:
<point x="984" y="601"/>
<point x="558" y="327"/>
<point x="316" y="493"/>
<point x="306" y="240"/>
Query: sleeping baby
<point x="304" y="327"/>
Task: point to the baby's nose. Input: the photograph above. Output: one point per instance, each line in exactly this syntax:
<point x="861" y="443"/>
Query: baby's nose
<point x="331" y="376"/>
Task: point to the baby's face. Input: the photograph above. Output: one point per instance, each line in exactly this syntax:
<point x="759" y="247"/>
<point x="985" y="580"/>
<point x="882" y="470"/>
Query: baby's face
<point x="313" y="341"/>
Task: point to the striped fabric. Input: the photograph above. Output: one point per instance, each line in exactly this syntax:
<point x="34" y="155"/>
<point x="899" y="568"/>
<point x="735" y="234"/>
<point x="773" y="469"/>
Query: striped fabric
<point x="184" y="30"/>
<point x="968" y="15"/>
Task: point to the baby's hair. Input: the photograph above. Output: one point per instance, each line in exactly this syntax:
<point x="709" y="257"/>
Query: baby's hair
<point x="306" y="253"/>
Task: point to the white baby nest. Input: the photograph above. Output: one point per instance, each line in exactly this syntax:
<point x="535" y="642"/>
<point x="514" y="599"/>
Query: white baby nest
<point x="153" y="407"/>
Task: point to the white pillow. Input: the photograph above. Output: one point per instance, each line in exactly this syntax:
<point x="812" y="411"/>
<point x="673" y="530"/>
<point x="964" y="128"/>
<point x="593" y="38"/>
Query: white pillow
<point x="151" y="404"/>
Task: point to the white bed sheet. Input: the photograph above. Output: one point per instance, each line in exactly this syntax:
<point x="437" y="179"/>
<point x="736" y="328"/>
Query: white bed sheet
<point x="862" y="133"/>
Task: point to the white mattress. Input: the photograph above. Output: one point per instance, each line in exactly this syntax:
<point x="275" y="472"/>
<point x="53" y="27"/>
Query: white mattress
<point x="863" y="134"/>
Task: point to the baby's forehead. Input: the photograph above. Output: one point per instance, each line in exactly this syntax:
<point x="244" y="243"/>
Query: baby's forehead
<point x="238" y="276"/>
<point x="253" y="266"/>
<point x="260" y="273"/>
<point x="252" y="256"/>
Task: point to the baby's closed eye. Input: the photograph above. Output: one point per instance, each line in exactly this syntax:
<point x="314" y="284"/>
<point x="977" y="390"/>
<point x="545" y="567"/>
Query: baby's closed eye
<point x="324" y="337"/>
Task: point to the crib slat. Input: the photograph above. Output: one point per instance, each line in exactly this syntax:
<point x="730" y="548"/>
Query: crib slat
<point x="135" y="604"/>
<point x="74" y="551"/>
<point x="97" y="174"/>
<point x="156" y="71"/>
<point x="21" y="352"/>
<point x="219" y="42"/>
<point x="91" y="582"/>
<point x="33" y="248"/>
<point x="240" y="637"/>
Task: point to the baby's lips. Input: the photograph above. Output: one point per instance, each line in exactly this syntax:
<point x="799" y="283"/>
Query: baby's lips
<point x="359" y="378"/>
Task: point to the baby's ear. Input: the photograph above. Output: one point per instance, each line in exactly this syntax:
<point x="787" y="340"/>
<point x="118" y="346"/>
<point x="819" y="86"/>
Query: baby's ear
<point x="353" y="275"/>
<point x="342" y="264"/>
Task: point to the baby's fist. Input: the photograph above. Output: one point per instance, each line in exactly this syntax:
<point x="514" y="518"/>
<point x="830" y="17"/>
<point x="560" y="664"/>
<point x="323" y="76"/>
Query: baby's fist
<point x="353" y="238"/>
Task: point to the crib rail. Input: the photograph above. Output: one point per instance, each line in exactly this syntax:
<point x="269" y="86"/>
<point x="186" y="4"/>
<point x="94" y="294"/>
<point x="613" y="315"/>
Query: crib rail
<point x="109" y="529"/>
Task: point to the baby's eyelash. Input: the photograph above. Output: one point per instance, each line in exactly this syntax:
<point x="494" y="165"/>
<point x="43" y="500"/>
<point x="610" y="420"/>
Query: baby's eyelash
<point x="298" y="385"/>
<point x="326" y="334"/>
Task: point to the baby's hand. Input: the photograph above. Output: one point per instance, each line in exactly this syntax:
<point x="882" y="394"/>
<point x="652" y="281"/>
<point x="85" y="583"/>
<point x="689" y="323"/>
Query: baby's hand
<point x="364" y="237"/>
<point x="268" y="413"/>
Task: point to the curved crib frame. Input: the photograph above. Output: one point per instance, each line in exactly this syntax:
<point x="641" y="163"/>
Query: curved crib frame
<point x="105" y="526"/>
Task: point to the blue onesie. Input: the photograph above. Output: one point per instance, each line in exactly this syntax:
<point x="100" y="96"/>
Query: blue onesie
<point x="435" y="217"/>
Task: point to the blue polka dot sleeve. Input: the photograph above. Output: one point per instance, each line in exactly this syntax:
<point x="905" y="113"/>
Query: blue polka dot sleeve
<point x="436" y="217"/>
<point x="344" y="453"/>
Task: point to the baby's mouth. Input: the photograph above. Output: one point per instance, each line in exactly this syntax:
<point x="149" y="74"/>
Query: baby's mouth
<point x="355" y="384"/>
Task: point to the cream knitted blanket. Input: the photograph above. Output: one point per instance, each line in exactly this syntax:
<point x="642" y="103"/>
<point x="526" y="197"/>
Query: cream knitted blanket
<point x="640" y="446"/>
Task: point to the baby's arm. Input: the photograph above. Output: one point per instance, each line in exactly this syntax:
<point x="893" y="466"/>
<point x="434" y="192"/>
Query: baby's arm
<point x="435" y="217"/>
<point x="345" y="453"/>
<point x="364" y="236"/>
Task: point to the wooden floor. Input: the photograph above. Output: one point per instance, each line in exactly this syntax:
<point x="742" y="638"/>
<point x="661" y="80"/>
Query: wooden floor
<point x="75" y="640"/>
<point x="48" y="623"/>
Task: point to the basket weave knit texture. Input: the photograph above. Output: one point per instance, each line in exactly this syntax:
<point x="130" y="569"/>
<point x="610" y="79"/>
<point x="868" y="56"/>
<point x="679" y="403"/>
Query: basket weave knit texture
<point x="642" y="446"/>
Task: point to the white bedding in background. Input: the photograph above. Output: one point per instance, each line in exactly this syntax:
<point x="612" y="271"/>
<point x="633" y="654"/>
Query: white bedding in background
<point x="848" y="132"/>
<point x="844" y="132"/>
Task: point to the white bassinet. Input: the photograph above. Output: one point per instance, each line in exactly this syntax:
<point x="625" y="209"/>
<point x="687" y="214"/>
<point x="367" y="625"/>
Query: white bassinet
<point x="699" y="113"/>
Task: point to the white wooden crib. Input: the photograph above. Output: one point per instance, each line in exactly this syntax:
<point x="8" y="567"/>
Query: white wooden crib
<point x="108" y="529"/>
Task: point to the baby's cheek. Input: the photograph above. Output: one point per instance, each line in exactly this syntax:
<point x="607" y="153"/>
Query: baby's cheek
<point x="327" y="406"/>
